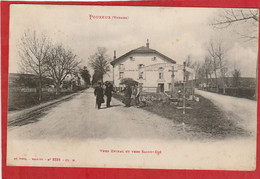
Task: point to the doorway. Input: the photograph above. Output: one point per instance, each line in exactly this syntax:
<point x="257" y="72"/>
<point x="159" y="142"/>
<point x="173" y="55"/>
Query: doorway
<point x="161" y="87"/>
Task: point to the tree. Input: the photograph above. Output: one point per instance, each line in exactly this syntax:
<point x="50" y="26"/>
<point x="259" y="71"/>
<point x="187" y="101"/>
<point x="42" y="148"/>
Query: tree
<point x="208" y="68"/>
<point x="248" y="17"/>
<point x="196" y="66"/>
<point x="60" y="63"/>
<point x="230" y="17"/>
<point x="214" y="61"/>
<point x="236" y="77"/>
<point x="188" y="64"/>
<point x="96" y="77"/>
<point x="84" y="73"/>
<point x="33" y="51"/>
<point x="128" y="81"/>
<point x="221" y="53"/>
<point x="100" y="63"/>
<point x="217" y="53"/>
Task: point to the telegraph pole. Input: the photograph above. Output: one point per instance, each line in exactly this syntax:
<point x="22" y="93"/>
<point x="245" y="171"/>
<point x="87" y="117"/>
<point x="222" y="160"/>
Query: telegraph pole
<point x="184" y="70"/>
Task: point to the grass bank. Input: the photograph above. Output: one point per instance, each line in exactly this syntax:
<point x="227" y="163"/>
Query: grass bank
<point x="203" y="119"/>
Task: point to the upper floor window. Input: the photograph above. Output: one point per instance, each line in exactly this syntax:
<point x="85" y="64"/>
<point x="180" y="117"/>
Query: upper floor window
<point x="121" y="75"/>
<point x="121" y="67"/>
<point x="132" y="59"/>
<point x="140" y="66"/>
<point x="160" y="68"/>
<point x="160" y="75"/>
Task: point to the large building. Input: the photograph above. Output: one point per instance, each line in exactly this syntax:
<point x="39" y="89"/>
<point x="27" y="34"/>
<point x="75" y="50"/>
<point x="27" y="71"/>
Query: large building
<point x="147" y="66"/>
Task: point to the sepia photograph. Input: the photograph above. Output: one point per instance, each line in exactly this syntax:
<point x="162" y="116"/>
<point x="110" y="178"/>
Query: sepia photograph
<point x="132" y="87"/>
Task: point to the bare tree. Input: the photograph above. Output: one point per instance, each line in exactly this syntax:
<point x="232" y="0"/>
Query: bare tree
<point x="239" y="16"/>
<point x="188" y="64"/>
<point x="249" y="17"/>
<point x="100" y="62"/>
<point x="215" y="64"/>
<point x="208" y="68"/>
<point x="218" y="52"/>
<point x="196" y="65"/>
<point x="221" y="56"/>
<point x="60" y="64"/>
<point x="33" y="52"/>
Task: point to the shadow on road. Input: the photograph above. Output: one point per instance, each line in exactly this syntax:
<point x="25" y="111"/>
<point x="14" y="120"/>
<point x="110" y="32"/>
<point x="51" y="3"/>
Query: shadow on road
<point x="33" y="116"/>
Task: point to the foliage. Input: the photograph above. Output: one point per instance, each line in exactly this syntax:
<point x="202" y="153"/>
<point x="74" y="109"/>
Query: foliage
<point x="128" y="81"/>
<point x="236" y="77"/>
<point x="84" y="73"/>
<point x="100" y="63"/>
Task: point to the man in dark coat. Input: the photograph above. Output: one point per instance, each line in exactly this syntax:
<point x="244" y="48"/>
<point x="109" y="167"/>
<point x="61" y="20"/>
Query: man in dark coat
<point x="99" y="95"/>
<point x="108" y="93"/>
<point x="128" y="93"/>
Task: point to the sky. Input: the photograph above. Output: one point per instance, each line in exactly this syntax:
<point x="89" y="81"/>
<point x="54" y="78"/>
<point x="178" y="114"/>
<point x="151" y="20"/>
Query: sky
<point x="175" y="32"/>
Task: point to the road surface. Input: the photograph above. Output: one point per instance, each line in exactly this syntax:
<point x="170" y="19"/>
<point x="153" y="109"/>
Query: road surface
<point x="75" y="129"/>
<point x="244" y="111"/>
<point x="79" y="118"/>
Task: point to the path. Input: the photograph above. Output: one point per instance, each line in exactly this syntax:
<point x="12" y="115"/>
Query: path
<point x="244" y="109"/>
<point x="75" y="131"/>
<point x="78" y="118"/>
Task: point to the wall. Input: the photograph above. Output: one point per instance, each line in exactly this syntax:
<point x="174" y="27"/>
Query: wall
<point x="151" y="76"/>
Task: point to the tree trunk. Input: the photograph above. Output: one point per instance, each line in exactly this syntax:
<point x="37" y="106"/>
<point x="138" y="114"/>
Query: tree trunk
<point x="102" y="78"/>
<point x="40" y="89"/>
<point x="216" y="78"/>
<point x="58" y="90"/>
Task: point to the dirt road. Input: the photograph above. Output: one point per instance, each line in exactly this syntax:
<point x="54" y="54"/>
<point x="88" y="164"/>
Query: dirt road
<point x="244" y="111"/>
<point x="75" y="131"/>
<point x="78" y="118"/>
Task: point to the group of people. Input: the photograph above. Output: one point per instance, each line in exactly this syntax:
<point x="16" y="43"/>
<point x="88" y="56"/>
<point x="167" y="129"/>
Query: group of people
<point x="99" y="93"/>
<point x="129" y="93"/>
<point x="132" y="92"/>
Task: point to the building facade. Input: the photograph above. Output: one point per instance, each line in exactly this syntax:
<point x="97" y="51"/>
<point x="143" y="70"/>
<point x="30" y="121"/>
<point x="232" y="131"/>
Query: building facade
<point x="146" y="66"/>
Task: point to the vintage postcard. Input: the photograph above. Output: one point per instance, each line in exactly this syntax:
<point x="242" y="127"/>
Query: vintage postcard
<point x="132" y="87"/>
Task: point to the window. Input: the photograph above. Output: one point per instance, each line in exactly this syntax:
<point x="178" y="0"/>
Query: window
<point x="132" y="59"/>
<point x="121" y="67"/>
<point x="141" y="75"/>
<point x="140" y="66"/>
<point x="160" y="75"/>
<point x="121" y="75"/>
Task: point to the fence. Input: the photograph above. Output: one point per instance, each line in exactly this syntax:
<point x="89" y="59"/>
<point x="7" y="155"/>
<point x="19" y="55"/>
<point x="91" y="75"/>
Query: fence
<point x="248" y="93"/>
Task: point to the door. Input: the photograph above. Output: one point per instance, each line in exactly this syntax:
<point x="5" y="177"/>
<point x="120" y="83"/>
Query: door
<point x="161" y="87"/>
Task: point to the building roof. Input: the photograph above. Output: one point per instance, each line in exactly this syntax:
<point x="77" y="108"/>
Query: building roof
<point x="142" y="50"/>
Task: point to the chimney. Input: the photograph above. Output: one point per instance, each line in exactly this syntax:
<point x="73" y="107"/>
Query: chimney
<point x="114" y="54"/>
<point x="147" y="43"/>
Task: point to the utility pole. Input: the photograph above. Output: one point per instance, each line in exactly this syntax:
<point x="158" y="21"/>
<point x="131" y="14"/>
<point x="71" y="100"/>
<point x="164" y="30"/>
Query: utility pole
<point x="184" y="70"/>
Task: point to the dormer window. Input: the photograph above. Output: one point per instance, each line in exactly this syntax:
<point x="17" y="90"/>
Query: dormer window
<point x="132" y="59"/>
<point x="154" y="59"/>
<point x="140" y="66"/>
<point x="160" y="69"/>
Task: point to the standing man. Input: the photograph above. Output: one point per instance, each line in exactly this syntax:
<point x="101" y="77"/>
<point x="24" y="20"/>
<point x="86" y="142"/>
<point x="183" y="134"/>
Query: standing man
<point x="108" y="93"/>
<point x="128" y="93"/>
<point x="99" y="95"/>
